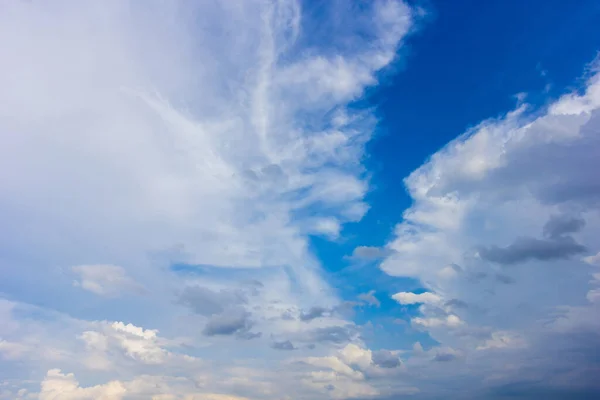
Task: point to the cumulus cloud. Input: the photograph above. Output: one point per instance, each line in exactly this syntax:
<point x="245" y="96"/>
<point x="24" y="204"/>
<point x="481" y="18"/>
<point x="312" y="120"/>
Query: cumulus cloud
<point x="482" y="203"/>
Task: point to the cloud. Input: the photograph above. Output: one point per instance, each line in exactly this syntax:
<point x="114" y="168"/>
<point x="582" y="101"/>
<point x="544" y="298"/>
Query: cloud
<point x="207" y="302"/>
<point x="332" y="334"/>
<point x="180" y="147"/>
<point x="105" y="280"/>
<point x="285" y="345"/>
<point x="450" y="321"/>
<point x="312" y="313"/>
<point x="368" y="253"/>
<point x="231" y="321"/>
<point x="593" y="260"/>
<point x="414" y="298"/>
<point x="56" y="384"/>
<point x="525" y="249"/>
<point x="444" y="355"/>
<point x="370" y="298"/>
<point x="481" y="203"/>
<point x="557" y="226"/>
<point x="385" y="359"/>
<point x="139" y="344"/>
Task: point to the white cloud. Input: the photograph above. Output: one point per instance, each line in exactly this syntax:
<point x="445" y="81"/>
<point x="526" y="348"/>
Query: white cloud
<point x="215" y="135"/>
<point x="414" y="298"/>
<point x="451" y="321"/>
<point x="499" y="219"/>
<point x="64" y="386"/>
<point x="593" y="260"/>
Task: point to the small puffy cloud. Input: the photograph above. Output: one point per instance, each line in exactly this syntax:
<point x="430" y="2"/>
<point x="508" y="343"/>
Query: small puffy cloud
<point x="593" y="296"/>
<point x="593" y="260"/>
<point x="457" y="303"/>
<point x="370" y="298"/>
<point x="368" y="253"/>
<point x="414" y="298"/>
<point x="450" y="321"/>
<point x="328" y="227"/>
<point x="353" y="354"/>
<point x="503" y="278"/>
<point x="139" y="344"/>
<point x="12" y="350"/>
<point x="105" y="280"/>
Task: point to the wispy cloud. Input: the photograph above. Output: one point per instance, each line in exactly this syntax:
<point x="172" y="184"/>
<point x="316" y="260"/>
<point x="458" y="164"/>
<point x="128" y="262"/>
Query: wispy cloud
<point x="216" y="135"/>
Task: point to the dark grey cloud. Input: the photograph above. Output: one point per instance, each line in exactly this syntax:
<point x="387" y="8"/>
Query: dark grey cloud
<point x="456" y="303"/>
<point x="207" y="302"/>
<point x="285" y="345"/>
<point x="385" y="359"/>
<point x="231" y="321"/>
<point x="312" y="313"/>
<point x="444" y="356"/>
<point x="560" y="225"/>
<point x="507" y="280"/>
<point x="526" y="249"/>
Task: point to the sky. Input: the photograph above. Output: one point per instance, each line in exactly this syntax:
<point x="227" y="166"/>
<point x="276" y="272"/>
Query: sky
<point x="285" y="199"/>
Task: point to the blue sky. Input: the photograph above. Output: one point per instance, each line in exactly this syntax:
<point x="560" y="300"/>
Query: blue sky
<point x="300" y="200"/>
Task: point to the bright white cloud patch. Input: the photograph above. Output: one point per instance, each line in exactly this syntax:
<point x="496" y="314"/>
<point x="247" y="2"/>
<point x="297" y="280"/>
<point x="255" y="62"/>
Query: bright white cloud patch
<point x="185" y="151"/>
<point x="414" y="298"/>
